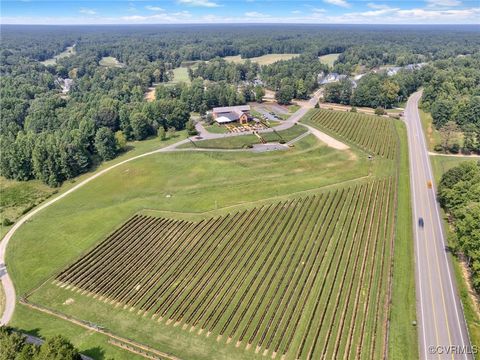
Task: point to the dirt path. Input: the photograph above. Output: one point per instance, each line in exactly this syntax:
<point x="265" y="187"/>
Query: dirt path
<point x="327" y="139"/>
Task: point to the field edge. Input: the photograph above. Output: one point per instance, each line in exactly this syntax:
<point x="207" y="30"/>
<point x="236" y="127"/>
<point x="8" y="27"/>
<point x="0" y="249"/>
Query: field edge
<point x="402" y="337"/>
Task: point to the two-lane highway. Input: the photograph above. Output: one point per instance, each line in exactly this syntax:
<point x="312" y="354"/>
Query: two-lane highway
<point x="441" y="325"/>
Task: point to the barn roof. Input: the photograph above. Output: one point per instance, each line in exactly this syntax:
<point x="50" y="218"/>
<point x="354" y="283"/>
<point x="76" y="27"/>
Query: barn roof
<point x="223" y="119"/>
<point x="231" y="108"/>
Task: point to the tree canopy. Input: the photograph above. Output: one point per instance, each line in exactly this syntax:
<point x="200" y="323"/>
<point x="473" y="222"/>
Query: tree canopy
<point x="13" y="346"/>
<point x="459" y="195"/>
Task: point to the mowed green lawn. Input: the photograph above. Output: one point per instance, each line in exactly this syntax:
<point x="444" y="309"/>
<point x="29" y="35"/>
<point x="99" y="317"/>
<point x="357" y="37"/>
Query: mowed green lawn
<point x="239" y="142"/>
<point x="173" y="182"/>
<point x="2" y="299"/>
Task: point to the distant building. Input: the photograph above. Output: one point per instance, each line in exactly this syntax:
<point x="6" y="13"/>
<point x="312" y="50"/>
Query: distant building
<point x="393" y="70"/>
<point x="65" y="84"/>
<point x="228" y="114"/>
<point x="330" y="78"/>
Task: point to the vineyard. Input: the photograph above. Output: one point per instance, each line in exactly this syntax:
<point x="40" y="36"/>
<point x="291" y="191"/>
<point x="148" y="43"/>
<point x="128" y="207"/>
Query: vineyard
<point x="373" y="134"/>
<point x="301" y="279"/>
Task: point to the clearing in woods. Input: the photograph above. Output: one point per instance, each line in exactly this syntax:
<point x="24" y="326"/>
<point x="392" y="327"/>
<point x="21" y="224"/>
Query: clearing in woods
<point x="180" y="75"/>
<point x="262" y="60"/>
<point x="69" y="51"/>
<point x="328" y="59"/>
<point x="110" y="61"/>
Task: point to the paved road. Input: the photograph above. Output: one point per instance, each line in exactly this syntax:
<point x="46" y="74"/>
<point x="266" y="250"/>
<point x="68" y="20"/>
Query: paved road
<point x="441" y="324"/>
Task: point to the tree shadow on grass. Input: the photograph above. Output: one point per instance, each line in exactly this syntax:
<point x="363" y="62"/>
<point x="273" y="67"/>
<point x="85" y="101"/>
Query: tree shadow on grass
<point x="96" y="353"/>
<point x="33" y="332"/>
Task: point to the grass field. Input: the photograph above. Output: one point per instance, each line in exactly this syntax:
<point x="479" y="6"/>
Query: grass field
<point x="403" y="338"/>
<point x="180" y="74"/>
<point x="328" y="59"/>
<point x="110" y="61"/>
<point x="216" y="129"/>
<point x="240" y="142"/>
<point x="441" y="164"/>
<point x="188" y="188"/>
<point x="432" y="134"/>
<point x="373" y="134"/>
<point x="17" y="197"/>
<point x="262" y="60"/>
<point x="2" y="299"/>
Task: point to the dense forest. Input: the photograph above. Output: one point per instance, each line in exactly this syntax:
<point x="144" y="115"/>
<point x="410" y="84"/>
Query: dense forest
<point x="376" y="90"/>
<point x="452" y="95"/>
<point x="53" y="136"/>
<point x="459" y="195"/>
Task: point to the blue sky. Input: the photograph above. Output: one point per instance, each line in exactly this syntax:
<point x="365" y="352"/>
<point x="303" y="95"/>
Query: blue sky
<point x="240" y="11"/>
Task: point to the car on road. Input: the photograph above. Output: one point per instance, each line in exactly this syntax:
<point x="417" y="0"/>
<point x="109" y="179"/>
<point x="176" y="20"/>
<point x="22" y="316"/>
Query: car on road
<point x="429" y="184"/>
<point x="420" y="222"/>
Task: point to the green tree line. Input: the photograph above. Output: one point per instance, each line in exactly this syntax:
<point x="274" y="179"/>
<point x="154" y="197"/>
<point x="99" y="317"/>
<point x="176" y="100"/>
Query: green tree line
<point x="459" y="195"/>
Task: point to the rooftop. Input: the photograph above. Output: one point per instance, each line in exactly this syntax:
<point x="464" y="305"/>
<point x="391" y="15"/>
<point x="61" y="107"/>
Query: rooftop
<point x="231" y="108"/>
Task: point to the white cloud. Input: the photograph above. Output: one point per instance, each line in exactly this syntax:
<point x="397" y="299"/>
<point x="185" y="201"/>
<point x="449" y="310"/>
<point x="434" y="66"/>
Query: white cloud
<point x="378" y="6"/>
<point x="203" y="3"/>
<point x="255" y="14"/>
<point x="163" y="18"/>
<point x="341" y="3"/>
<point x="443" y="3"/>
<point x="447" y="16"/>
<point x="409" y="16"/>
<point x="375" y="13"/>
<point x="153" y="8"/>
<point x="378" y="14"/>
<point x="87" y="11"/>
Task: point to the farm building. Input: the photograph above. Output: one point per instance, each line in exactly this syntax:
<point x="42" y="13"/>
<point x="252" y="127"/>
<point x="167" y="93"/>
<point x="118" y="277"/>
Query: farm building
<point x="232" y="113"/>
